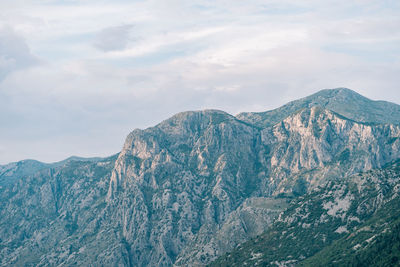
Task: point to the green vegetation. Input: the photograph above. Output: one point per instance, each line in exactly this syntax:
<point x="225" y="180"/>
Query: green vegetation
<point x="375" y="243"/>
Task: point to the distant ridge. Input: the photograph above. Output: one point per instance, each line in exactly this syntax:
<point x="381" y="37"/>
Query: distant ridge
<point x="14" y="170"/>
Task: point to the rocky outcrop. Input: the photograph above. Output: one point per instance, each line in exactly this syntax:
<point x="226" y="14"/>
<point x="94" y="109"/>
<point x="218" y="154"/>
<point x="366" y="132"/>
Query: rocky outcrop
<point x="315" y="145"/>
<point x="179" y="176"/>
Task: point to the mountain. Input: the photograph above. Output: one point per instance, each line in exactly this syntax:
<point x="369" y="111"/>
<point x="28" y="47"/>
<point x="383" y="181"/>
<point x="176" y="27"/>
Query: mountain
<point x="43" y="211"/>
<point x="199" y="167"/>
<point x="12" y="171"/>
<point x="195" y="186"/>
<point x="338" y="100"/>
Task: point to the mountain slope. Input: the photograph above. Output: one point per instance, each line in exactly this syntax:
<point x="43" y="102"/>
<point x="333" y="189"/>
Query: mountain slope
<point x="11" y="172"/>
<point x="375" y="243"/>
<point x="41" y="212"/>
<point x="361" y="109"/>
<point x="354" y="211"/>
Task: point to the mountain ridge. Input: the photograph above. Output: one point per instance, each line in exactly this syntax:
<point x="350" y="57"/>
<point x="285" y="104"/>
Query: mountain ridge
<point x="378" y="111"/>
<point x="190" y="141"/>
<point x="188" y="189"/>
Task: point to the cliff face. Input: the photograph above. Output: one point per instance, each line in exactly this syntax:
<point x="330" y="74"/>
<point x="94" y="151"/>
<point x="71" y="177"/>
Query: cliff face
<point x="315" y="145"/>
<point x="182" y="179"/>
<point x="194" y="186"/>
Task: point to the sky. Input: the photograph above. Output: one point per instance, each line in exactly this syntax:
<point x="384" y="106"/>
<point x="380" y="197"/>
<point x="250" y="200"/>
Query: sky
<point x="77" y="76"/>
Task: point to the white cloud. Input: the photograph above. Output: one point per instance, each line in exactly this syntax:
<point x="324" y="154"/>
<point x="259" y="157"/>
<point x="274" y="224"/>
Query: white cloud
<point x="179" y="55"/>
<point x="114" y="38"/>
<point x="14" y="53"/>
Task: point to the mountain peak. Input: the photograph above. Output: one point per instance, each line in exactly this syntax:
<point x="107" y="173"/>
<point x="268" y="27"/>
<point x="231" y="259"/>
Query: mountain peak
<point x="198" y="114"/>
<point x="190" y="121"/>
<point x="342" y="101"/>
<point x="336" y="94"/>
<point x="339" y="90"/>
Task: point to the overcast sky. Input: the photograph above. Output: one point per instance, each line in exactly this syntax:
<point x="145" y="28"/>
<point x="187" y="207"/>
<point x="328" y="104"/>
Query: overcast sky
<point x="77" y="76"/>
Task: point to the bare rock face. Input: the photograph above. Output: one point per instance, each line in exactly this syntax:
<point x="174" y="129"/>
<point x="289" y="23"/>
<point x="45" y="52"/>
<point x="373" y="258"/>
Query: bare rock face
<point x="182" y="175"/>
<point x="190" y="188"/>
<point x="187" y="177"/>
<point x="315" y="145"/>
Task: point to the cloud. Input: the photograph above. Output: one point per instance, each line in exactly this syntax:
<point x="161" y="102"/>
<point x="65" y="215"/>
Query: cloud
<point x="114" y="38"/>
<point x="107" y="68"/>
<point x="14" y="52"/>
